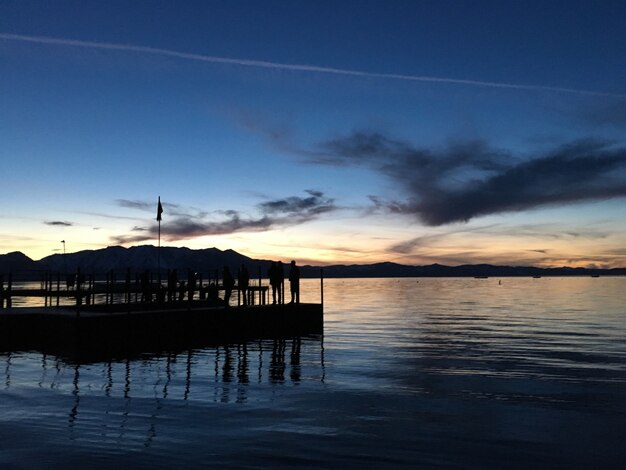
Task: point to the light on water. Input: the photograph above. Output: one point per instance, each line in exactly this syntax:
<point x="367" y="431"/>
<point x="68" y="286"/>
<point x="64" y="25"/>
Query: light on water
<point x="409" y="372"/>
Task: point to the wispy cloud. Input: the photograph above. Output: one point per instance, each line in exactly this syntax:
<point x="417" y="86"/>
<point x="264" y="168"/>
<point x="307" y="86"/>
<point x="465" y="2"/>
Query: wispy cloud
<point x="293" y="210"/>
<point x="472" y="179"/>
<point x="433" y="239"/>
<point x="58" y="223"/>
<point x="170" y="209"/>
<point x="295" y="67"/>
<point x="297" y="206"/>
<point x="135" y="204"/>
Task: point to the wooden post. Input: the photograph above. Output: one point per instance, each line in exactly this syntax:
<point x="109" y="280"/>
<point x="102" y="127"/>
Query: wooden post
<point x="260" y="292"/>
<point x="322" y="286"/>
<point x="44" y="286"/>
<point x="200" y="289"/>
<point x="9" y="288"/>
<point x="88" y="290"/>
<point x="113" y="286"/>
<point x="79" y="298"/>
<point x="58" y="287"/>
<point x="127" y="285"/>
<point x="48" y="288"/>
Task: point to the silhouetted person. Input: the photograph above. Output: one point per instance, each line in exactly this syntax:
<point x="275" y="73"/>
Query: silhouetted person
<point x="294" y="282"/>
<point x="80" y="281"/>
<point x="172" y="281"/>
<point x="70" y="281"/>
<point x="146" y="295"/>
<point x="161" y="293"/>
<point x="280" y="276"/>
<point x="191" y="282"/>
<point x="181" y="291"/>
<point x="127" y="286"/>
<point x="212" y="292"/>
<point x="229" y="283"/>
<point x="243" y="282"/>
<point x="272" y="274"/>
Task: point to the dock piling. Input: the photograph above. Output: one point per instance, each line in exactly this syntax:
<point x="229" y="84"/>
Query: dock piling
<point x="8" y="291"/>
<point x="322" y="286"/>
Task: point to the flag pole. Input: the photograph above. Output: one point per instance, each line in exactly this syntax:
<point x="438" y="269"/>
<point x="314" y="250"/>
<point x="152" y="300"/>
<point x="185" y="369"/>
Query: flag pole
<point x="159" y="211"/>
<point x="159" y="253"/>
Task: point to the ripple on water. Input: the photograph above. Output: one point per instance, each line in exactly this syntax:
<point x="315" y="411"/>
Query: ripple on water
<point x="439" y="372"/>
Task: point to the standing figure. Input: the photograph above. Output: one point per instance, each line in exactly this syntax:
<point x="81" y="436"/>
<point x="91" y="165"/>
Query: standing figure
<point x="191" y="284"/>
<point x="243" y="282"/>
<point x="229" y="282"/>
<point x="280" y="277"/>
<point x="272" y="274"/>
<point x="182" y="288"/>
<point x="172" y="282"/>
<point x="294" y="282"/>
<point x="146" y="293"/>
<point x="212" y="292"/>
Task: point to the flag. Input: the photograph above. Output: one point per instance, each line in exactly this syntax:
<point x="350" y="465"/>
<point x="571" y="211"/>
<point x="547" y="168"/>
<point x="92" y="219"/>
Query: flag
<point x="159" y="210"/>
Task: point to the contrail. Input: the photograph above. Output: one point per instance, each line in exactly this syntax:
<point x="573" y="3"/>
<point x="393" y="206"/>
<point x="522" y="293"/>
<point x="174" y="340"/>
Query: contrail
<point x="294" y="67"/>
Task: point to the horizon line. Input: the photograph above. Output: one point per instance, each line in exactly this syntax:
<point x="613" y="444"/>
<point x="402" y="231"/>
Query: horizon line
<point x="332" y="265"/>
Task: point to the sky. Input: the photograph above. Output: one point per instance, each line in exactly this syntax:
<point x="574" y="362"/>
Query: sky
<point x="328" y="132"/>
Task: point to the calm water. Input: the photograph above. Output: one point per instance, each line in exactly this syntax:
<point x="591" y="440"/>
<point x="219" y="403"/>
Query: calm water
<point x="429" y="373"/>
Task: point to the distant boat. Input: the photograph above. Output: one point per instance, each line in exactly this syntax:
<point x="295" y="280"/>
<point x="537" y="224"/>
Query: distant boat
<point x="536" y="277"/>
<point x="481" y="277"/>
<point x="595" y="275"/>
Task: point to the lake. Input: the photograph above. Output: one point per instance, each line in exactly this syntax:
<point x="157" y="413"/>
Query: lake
<point x="449" y="372"/>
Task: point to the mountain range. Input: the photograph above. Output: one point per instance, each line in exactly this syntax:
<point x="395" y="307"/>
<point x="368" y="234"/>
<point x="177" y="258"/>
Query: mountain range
<point x="207" y="261"/>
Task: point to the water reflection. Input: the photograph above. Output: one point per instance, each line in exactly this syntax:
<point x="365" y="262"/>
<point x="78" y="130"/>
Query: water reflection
<point x="131" y="390"/>
<point x="437" y="373"/>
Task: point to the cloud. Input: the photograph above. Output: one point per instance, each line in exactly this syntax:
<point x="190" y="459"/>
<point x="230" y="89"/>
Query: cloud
<point x="295" y="67"/>
<point x="135" y="204"/>
<point x="408" y="246"/>
<point x="170" y="209"/>
<point x="472" y="179"/>
<point x="299" y="207"/>
<point x="272" y="214"/>
<point x="58" y="223"/>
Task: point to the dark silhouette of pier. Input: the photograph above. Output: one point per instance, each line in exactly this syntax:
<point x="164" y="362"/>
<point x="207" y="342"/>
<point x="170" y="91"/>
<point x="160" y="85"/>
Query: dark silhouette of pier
<point x="118" y="311"/>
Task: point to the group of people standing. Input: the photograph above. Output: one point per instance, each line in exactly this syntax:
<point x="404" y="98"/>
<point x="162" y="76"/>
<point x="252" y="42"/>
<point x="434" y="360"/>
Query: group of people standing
<point x="177" y="290"/>
<point x="276" y="275"/>
<point x="243" y="282"/>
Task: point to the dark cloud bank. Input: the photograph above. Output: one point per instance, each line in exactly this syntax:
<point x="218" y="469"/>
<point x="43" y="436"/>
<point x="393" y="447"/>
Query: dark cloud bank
<point x="292" y="210"/>
<point x="472" y="179"/>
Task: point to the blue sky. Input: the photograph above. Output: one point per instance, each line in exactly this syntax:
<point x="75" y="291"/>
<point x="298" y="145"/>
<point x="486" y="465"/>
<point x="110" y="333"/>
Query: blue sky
<point x="416" y="132"/>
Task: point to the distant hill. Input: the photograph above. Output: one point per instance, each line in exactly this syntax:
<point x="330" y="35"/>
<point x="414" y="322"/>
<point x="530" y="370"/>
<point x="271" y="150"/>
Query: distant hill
<point x="17" y="262"/>
<point x="139" y="258"/>
<point x="207" y="261"/>
<point x="438" y="270"/>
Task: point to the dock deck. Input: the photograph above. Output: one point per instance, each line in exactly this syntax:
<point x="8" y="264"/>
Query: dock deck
<point x="121" y="316"/>
<point x="153" y="327"/>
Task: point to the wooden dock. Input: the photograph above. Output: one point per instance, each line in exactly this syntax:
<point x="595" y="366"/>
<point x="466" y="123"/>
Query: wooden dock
<point x="117" y="316"/>
<point x="153" y="328"/>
